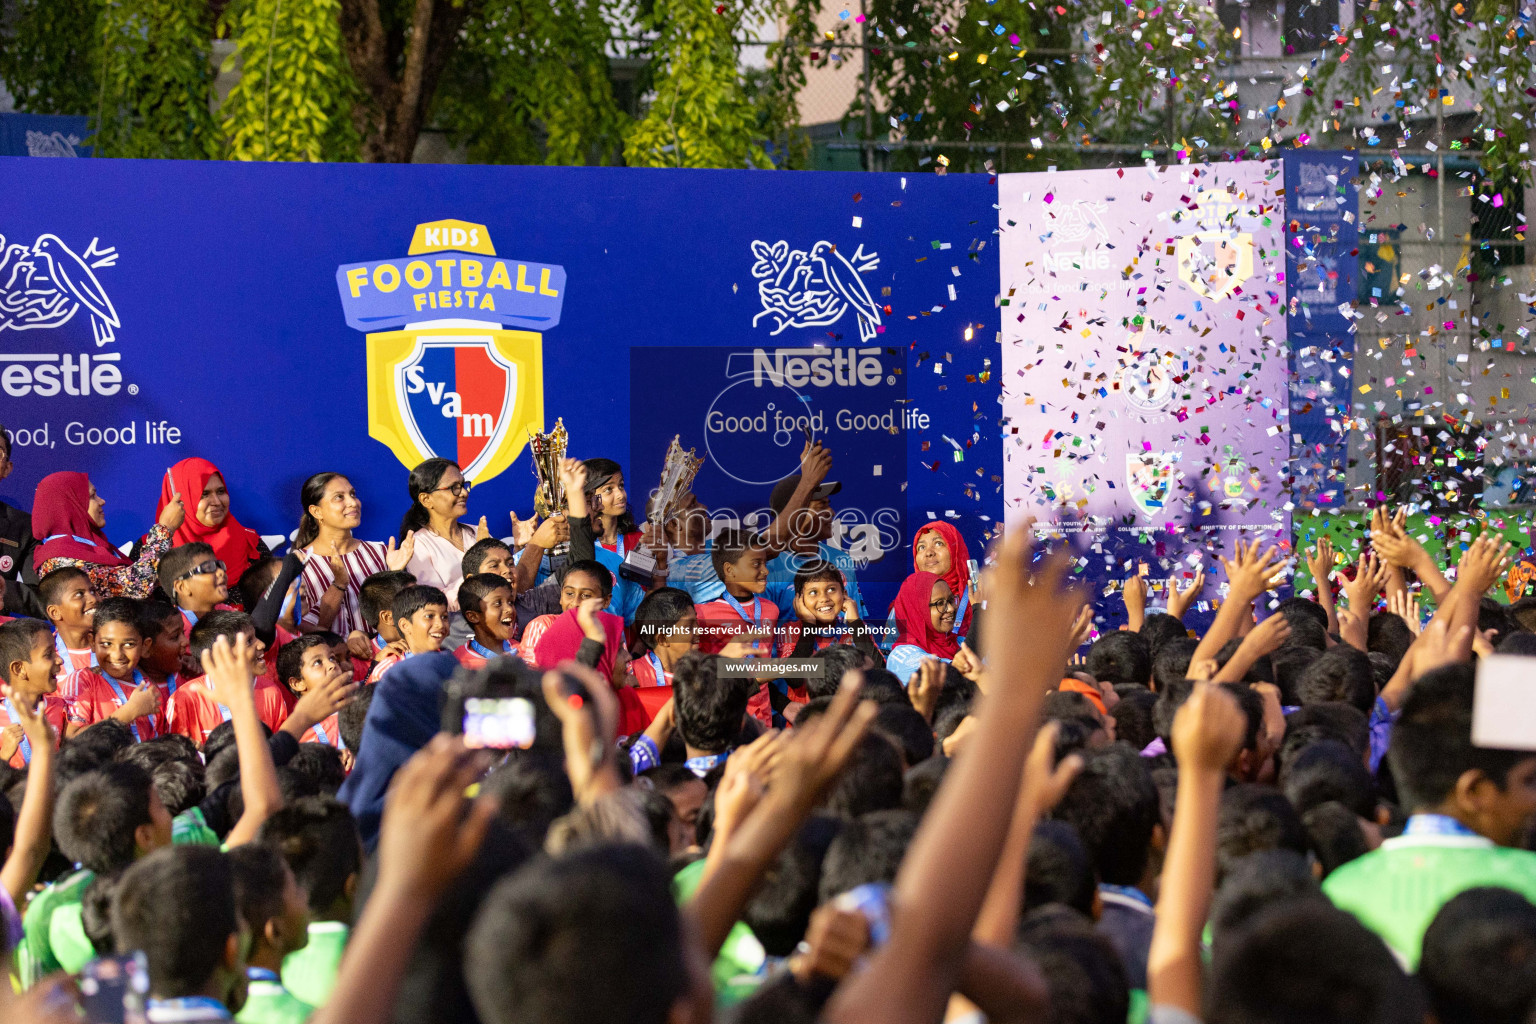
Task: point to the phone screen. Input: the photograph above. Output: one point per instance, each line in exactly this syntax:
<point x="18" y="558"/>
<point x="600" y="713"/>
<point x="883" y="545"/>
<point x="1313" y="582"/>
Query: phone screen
<point x="500" y="723"/>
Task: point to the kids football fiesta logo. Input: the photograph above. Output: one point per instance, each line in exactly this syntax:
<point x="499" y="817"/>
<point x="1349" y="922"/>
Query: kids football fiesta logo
<point x="455" y="353"/>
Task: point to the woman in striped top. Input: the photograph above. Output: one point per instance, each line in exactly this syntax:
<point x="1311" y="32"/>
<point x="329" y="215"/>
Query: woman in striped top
<point x="335" y="562"/>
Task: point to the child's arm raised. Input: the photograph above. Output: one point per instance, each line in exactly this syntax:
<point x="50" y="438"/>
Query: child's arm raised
<point x="1249" y="574"/>
<point x="942" y="882"/>
<point x="815" y="464"/>
<point x="34" y="830"/>
<point x="1207" y="732"/>
<point x="231" y="677"/>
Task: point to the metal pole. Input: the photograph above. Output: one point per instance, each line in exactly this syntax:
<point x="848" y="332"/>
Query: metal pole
<point x="869" y="92"/>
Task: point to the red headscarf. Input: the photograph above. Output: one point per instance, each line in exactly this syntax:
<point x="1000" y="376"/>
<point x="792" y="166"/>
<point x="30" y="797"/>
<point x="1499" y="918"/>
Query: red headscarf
<point x="959" y="575"/>
<point x="233" y="544"/>
<point x="913" y="623"/>
<point x="563" y="638"/>
<point x="61" y="522"/>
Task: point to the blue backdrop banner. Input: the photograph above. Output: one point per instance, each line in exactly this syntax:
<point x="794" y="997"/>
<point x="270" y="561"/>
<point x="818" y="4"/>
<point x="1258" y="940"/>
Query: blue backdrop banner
<point x="263" y="316"/>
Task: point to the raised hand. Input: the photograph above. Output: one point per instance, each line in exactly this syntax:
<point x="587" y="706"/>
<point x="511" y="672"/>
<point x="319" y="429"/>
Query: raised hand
<point x="1134" y="593"/>
<point x="10" y="740"/>
<point x="1251" y="572"/>
<point x="1082" y="626"/>
<point x="587" y="729"/>
<point x="1208" y="729"/>
<point x="398" y="558"/>
<point x="1370" y="577"/>
<point x="483" y="529"/>
<point x="586" y="617"/>
<point x="966" y="663"/>
<point x="143" y="699"/>
<point x="329" y="696"/>
<point x="1268" y="636"/>
<point x="817" y="751"/>
<point x="924" y="687"/>
<point x="425" y="838"/>
<point x="1486" y="560"/>
<point x="173" y="515"/>
<point x="1045" y="780"/>
<point x="1405" y="607"/>
<point x="834" y="940"/>
<point x="815" y="463"/>
<point x="230" y="670"/>
<point x="1033" y="607"/>
<point x="1320" y="562"/>
<point x="34" y="725"/>
<point x="1180" y="600"/>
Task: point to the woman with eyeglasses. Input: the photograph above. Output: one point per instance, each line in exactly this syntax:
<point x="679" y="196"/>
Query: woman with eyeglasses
<point x="68" y="518"/>
<point x="198" y="483"/>
<point x="439" y="496"/>
<point x="335" y="562"/>
<point x="925" y="617"/>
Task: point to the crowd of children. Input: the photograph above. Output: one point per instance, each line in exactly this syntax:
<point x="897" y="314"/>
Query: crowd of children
<point x="232" y="792"/>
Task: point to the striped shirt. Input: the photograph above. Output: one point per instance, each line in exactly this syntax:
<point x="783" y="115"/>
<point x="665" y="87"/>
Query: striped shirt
<point x="365" y="560"/>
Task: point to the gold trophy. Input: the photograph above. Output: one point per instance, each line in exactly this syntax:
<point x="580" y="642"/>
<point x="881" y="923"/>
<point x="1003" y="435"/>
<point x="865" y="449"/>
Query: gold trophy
<point x="548" y="450"/>
<point x="677" y="472"/>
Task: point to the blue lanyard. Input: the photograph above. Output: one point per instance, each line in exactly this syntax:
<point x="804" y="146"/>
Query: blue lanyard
<point x="319" y="728"/>
<point x="965" y="602"/>
<point x="485" y="652"/>
<point x="702" y="764"/>
<point x="756" y="618"/>
<point x="63" y="649"/>
<point x="26" y="744"/>
<point x="661" y="673"/>
<point x="88" y="542"/>
<point x="171" y="682"/>
<point x="260" y="974"/>
<point x="1435" y="825"/>
<point x="117" y="689"/>
<point x="1129" y="892"/>
<point x="187" y="1008"/>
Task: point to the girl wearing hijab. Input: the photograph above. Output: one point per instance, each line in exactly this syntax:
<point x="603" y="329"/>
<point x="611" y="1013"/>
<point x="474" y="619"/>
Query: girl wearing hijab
<point x="329" y="584"/>
<point x="439" y="496"/>
<point x="938" y="548"/>
<point x="68" y="517"/>
<point x="925" y="620"/>
<point x="210" y="521"/>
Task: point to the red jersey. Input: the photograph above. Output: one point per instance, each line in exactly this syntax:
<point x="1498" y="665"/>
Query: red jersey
<point x="54" y="709"/>
<point x="648" y="671"/>
<point x="327" y="732"/>
<point x="531" y="634"/>
<point x="192" y="712"/>
<point x="472" y="654"/>
<point x="98" y="696"/>
<point x="74" y="661"/>
<point x="726" y="618"/>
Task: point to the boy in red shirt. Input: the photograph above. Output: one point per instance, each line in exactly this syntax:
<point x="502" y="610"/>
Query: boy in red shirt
<point x="420" y="614"/>
<point x="164" y="652"/>
<point x="192" y="711"/>
<point x="376" y="600"/>
<point x="116" y="688"/>
<point x="741" y="562"/>
<point x="305" y="664"/>
<point x="29" y="668"/>
<point x="196" y="580"/>
<point x="488" y="604"/>
<point x="71" y="606"/>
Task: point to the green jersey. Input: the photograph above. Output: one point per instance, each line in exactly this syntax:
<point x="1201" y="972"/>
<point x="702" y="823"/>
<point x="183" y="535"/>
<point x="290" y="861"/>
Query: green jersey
<point x="1397" y="890"/>
<point x="310" y="973"/>
<point x="742" y="964"/>
<point x="268" y="1002"/>
<point x="189" y="827"/>
<point x="53" y="936"/>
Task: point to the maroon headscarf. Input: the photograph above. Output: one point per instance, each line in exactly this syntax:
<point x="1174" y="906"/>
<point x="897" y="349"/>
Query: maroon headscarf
<point x="913" y="624"/>
<point x="61" y="522"/>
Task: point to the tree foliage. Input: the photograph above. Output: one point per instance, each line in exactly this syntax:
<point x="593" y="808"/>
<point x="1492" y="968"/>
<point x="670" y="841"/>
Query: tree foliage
<point x="700" y="114"/>
<point x="1481" y="50"/>
<point x="155" y="80"/>
<point x="294" y="98"/>
<point x="530" y="84"/>
<point x="48" y="56"/>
